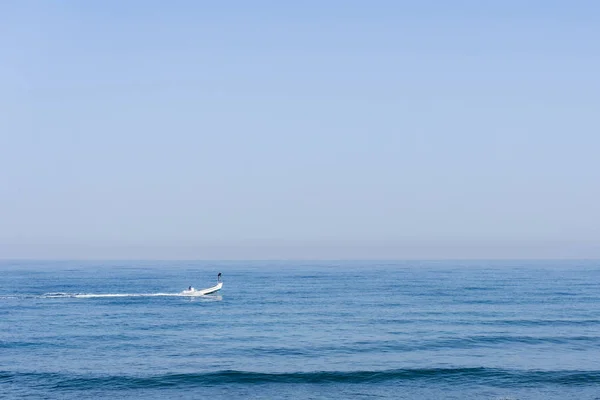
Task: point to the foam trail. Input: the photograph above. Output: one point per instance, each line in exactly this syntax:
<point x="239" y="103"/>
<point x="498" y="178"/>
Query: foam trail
<point x="63" y="295"/>
<point x="109" y="295"/>
<point x="117" y="295"/>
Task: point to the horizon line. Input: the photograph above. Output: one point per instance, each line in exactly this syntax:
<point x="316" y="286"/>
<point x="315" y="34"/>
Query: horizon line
<point x="308" y="259"/>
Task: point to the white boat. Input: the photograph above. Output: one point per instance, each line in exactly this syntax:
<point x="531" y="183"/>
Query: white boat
<point x="193" y="292"/>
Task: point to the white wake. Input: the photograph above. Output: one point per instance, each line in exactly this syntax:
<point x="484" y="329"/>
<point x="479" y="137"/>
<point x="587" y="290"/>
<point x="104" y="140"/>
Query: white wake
<point x="115" y="295"/>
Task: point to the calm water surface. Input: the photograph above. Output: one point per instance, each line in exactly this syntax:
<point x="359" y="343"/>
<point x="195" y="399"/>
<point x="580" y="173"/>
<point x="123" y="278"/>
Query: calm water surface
<point x="310" y="330"/>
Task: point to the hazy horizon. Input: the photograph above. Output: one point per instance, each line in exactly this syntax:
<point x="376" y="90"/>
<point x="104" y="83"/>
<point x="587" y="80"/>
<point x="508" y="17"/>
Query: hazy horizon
<point x="317" y="130"/>
<point x="312" y="252"/>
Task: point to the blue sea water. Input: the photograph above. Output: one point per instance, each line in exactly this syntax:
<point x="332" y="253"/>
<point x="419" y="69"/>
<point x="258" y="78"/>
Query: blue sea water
<point x="300" y="330"/>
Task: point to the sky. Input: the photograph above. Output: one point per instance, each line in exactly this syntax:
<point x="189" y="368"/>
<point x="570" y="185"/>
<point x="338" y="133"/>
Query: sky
<point x="311" y="130"/>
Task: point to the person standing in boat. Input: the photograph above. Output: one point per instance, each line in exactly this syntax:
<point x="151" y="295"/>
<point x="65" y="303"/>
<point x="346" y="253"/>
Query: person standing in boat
<point x="219" y="277"/>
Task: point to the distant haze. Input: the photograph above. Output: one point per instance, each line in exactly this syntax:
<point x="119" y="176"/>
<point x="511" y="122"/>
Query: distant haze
<point x="271" y="129"/>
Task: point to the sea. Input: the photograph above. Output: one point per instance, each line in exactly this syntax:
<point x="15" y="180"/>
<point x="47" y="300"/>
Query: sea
<point x="300" y="330"/>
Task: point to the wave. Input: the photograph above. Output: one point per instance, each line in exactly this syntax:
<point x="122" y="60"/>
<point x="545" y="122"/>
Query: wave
<point x="455" y="376"/>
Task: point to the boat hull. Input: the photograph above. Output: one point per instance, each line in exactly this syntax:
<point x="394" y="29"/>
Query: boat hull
<point x="202" y="292"/>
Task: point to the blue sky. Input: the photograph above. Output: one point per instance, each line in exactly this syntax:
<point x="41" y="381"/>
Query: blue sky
<point x="314" y="129"/>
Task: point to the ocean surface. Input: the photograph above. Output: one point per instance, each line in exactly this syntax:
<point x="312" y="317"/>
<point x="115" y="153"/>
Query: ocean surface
<point x="300" y="330"/>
